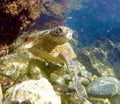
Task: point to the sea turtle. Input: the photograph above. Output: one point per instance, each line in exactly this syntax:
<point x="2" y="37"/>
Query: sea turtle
<point x="51" y="45"/>
<point x="48" y="44"/>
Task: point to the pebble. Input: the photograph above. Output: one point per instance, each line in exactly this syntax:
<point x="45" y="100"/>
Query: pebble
<point x="104" y="87"/>
<point x="1" y="95"/>
<point x="58" y="82"/>
<point x="84" y="81"/>
<point x="100" y="101"/>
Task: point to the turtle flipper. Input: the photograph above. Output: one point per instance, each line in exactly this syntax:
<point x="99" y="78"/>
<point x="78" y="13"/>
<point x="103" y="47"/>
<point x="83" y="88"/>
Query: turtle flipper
<point x="72" y="69"/>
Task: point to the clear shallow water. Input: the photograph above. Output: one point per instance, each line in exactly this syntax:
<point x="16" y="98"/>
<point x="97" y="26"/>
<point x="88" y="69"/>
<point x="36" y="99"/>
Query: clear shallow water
<point x="92" y="19"/>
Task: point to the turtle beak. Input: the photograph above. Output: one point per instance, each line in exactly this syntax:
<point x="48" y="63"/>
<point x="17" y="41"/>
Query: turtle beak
<point x="69" y="33"/>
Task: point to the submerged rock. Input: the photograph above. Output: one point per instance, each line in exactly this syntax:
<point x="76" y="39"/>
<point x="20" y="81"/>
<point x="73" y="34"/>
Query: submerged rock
<point x="16" y="16"/>
<point x="104" y="87"/>
<point x="84" y="81"/>
<point x="100" y="100"/>
<point x="58" y="82"/>
<point x="53" y="14"/>
<point x="1" y="95"/>
<point x="82" y="71"/>
<point x="115" y="99"/>
<point x="102" y="58"/>
<point x="33" y="91"/>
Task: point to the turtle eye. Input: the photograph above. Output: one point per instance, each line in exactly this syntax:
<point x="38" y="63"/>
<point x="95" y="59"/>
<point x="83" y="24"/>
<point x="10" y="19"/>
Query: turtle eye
<point x="57" y="32"/>
<point x="60" y="30"/>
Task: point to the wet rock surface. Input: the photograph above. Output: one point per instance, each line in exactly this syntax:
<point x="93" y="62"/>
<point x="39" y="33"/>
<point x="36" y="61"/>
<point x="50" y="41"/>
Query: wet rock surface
<point x="104" y="87"/>
<point x="115" y="99"/>
<point x="1" y="95"/>
<point x="100" y="100"/>
<point x="34" y="92"/>
<point x="52" y="15"/>
<point x="16" y="16"/>
<point x="101" y="58"/>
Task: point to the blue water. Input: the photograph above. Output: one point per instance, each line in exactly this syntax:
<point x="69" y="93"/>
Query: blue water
<point x="92" y="19"/>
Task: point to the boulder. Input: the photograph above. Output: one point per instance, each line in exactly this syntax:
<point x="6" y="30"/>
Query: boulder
<point x="104" y="87"/>
<point x="34" y="92"/>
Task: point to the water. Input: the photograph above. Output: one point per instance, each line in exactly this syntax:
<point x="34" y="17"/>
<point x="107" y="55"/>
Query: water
<point x="93" y="19"/>
<point x="97" y="26"/>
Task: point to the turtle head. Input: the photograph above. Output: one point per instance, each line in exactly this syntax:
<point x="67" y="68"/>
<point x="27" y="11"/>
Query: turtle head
<point x="61" y="34"/>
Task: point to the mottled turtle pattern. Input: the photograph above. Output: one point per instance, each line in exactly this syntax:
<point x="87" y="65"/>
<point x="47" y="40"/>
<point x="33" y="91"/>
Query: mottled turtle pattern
<point x="46" y="44"/>
<point x="51" y="45"/>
